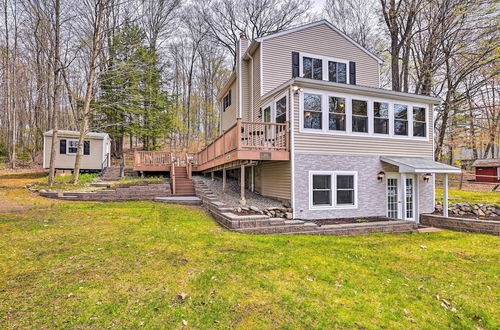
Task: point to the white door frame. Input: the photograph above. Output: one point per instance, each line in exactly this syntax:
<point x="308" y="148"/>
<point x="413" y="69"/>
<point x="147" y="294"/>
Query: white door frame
<point x="402" y="195"/>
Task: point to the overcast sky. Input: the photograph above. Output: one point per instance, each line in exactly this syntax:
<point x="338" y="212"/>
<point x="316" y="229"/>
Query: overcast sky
<point x="318" y="4"/>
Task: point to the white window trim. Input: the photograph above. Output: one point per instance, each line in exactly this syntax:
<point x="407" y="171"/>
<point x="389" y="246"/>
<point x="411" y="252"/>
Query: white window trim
<point x="324" y="65"/>
<point x="67" y="146"/>
<point x="272" y="105"/>
<point x="348" y="99"/>
<point x="333" y="195"/>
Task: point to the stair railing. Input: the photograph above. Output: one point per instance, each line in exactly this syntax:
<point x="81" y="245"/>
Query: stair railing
<point x="172" y="174"/>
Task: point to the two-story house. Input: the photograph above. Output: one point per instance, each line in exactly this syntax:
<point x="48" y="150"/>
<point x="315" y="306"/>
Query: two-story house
<point x="304" y="120"/>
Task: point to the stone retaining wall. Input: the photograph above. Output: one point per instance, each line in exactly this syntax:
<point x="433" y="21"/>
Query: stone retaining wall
<point x="460" y="224"/>
<point x="471" y="209"/>
<point x="145" y="192"/>
<point x="265" y="224"/>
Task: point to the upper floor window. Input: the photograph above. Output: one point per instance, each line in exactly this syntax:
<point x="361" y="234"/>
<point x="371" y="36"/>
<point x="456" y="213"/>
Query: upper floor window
<point x="226" y="102"/>
<point x="312" y="111"/>
<point x="359" y="116"/>
<point x="312" y="68"/>
<point x="338" y="113"/>
<point x="281" y="110"/>
<point x="380" y="117"/>
<point x="400" y="119"/>
<point x="419" y="122"/>
<point x="336" y="116"/>
<point x="337" y="72"/>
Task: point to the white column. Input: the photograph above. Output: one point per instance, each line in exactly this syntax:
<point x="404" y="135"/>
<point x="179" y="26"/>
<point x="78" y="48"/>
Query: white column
<point x="445" y="197"/>
<point x="416" y="203"/>
<point x="242" y="185"/>
<point x="213" y="173"/>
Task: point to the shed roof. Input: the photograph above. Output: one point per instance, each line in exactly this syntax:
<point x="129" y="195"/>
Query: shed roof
<point x="419" y="165"/>
<point x="67" y="133"/>
<point x="492" y="162"/>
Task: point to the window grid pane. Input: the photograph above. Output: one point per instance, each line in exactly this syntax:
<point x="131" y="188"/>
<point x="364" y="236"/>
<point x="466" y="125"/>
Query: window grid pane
<point x="336" y="117"/>
<point x="419" y="122"/>
<point x="321" y="190"/>
<point x="312" y="111"/>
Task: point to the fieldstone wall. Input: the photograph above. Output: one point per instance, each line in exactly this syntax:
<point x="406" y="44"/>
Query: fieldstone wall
<point x="142" y="192"/>
<point x="481" y="210"/>
<point x="460" y="224"/>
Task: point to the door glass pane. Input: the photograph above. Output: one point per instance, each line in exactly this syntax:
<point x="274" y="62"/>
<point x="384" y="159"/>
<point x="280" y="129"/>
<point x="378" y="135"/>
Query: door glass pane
<point x="267" y="114"/>
<point x="392" y="198"/>
<point x="281" y="110"/>
<point x="409" y="198"/>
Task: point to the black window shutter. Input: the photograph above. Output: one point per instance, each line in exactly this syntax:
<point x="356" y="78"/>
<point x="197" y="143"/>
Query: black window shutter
<point x="295" y="64"/>
<point x="62" y="147"/>
<point x="352" y="73"/>
<point x="86" y="147"/>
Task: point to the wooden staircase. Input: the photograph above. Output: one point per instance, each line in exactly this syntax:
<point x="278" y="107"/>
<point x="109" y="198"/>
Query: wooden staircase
<point x="182" y="184"/>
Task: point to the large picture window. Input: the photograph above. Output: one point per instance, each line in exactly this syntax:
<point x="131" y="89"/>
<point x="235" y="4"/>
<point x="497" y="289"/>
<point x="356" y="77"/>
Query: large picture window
<point x="359" y="116"/>
<point x="400" y="119"/>
<point x="380" y="118"/>
<point x="336" y="116"/>
<point x="312" y="111"/>
<point x="419" y="122"/>
<point x="337" y="189"/>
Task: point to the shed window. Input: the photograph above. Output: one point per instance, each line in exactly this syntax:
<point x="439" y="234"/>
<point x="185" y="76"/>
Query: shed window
<point x="71" y="147"/>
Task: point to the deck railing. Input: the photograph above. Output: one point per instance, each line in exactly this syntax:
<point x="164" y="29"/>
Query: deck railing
<point x="247" y="136"/>
<point x="152" y="158"/>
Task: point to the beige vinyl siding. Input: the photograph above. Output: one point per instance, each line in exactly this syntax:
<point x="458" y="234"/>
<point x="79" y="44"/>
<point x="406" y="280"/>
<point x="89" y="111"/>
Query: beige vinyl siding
<point x="273" y="179"/>
<point x="320" y="40"/>
<point x="64" y="161"/>
<point x="228" y="117"/>
<point x="353" y="145"/>
<point x="245" y="87"/>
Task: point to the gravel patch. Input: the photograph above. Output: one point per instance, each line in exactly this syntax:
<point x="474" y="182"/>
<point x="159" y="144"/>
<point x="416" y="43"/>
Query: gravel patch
<point x="232" y="196"/>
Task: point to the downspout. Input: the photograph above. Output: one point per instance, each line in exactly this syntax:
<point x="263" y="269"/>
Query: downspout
<point x="251" y="86"/>
<point x="240" y="97"/>
<point x="292" y="151"/>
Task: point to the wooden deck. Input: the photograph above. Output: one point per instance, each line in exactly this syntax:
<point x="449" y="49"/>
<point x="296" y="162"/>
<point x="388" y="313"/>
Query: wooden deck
<point x="246" y="141"/>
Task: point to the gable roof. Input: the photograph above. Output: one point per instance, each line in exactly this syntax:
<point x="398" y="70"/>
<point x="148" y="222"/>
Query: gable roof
<point x="491" y="162"/>
<point x="322" y="22"/>
<point x="67" y="133"/>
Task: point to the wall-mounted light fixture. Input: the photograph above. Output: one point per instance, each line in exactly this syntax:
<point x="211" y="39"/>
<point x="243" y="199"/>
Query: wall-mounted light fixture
<point x="381" y="176"/>
<point x="297" y="90"/>
<point x="426" y="177"/>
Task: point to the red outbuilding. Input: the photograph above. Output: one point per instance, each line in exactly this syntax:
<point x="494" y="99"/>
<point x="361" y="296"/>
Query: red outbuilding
<point x="487" y="170"/>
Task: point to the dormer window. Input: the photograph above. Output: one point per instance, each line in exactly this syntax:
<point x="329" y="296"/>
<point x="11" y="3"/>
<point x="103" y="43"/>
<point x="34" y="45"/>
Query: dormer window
<point x="226" y="102"/>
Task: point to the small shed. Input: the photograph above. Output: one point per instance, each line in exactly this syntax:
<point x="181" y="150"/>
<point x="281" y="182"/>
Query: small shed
<point x="487" y="170"/>
<point x="96" y="150"/>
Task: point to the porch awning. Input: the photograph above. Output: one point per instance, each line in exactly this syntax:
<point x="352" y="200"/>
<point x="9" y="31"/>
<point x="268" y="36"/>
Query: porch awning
<point x="419" y="165"/>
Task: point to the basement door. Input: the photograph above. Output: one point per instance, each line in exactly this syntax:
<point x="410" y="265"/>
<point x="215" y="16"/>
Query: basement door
<point x="401" y="196"/>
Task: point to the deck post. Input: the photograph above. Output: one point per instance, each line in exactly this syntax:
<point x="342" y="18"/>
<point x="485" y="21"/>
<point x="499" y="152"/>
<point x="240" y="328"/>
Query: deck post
<point x="445" y="197"/>
<point x="212" y="174"/>
<point x="238" y="133"/>
<point x="224" y="180"/>
<point x="287" y="136"/>
<point x="242" y="185"/>
<point x="252" y="179"/>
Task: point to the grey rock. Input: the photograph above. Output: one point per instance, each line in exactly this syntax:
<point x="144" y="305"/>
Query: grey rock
<point x="254" y="208"/>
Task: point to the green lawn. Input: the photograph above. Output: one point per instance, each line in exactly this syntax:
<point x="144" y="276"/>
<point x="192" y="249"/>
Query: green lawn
<point x="126" y="264"/>
<point x="474" y="197"/>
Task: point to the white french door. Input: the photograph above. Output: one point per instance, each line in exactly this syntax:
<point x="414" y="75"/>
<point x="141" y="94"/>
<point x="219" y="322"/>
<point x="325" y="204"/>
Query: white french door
<point x="401" y="196"/>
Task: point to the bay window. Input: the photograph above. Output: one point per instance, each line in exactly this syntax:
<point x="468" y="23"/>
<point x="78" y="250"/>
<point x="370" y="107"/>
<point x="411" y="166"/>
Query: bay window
<point x="380" y="118"/>
<point x="419" y="122"/>
<point x="336" y="116"/>
<point x="333" y="189"/>
<point x="312" y="111"/>
<point x="400" y="119"/>
<point x="359" y="116"/>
